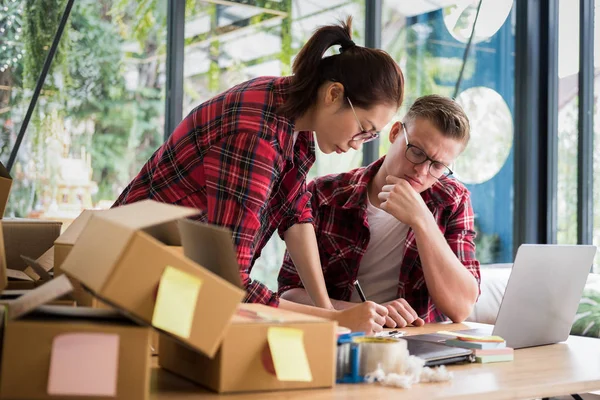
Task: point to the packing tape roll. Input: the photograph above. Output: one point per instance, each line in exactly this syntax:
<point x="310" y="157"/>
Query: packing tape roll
<point x="391" y="354"/>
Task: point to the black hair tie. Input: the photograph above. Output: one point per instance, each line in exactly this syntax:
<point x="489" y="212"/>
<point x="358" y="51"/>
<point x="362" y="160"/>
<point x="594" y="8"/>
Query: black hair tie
<point x="347" y="45"/>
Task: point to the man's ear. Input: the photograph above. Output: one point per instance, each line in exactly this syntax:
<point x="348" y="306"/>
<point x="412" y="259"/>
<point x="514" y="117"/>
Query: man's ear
<point x="395" y="131"/>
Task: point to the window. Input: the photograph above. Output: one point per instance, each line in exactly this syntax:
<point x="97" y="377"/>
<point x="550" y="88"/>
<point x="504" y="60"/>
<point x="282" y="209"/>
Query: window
<point x="229" y="44"/>
<point x="429" y="41"/>
<point x="100" y="113"/>
<point x="568" y="133"/>
<point x="596" y="150"/>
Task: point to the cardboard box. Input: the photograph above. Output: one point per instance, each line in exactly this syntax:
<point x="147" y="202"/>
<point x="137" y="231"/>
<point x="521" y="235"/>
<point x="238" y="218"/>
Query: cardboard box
<point x="20" y="237"/>
<point x="5" y="185"/>
<point x="19" y="280"/>
<point x="64" y="243"/>
<point x="54" y="352"/>
<point x="154" y="339"/>
<point x="62" y="247"/>
<point x="245" y="361"/>
<point x="123" y="254"/>
<point x="3" y="271"/>
<point x="27" y="237"/>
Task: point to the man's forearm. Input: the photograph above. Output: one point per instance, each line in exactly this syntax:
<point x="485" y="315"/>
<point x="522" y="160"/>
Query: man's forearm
<point x="300" y="295"/>
<point x="452" y="287"/>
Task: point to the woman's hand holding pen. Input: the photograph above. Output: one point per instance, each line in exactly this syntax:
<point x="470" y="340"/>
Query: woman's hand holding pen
<point x="399" y="312"/>
<point x="365" y="317"/>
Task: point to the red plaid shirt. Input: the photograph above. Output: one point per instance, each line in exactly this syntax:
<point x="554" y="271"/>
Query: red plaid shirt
<point x="340" y="219"/>
<point x="233" y="158"/>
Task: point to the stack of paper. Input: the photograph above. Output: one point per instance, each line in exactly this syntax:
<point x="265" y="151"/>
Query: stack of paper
<point x="494" y="355"/>
<point x="476" y="343"/>
<point x="487" y="349"/>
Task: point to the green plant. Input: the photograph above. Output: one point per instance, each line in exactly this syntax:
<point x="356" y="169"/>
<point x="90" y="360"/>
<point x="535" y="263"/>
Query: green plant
<point x="587" y="320"/>
<point x="41" y="20"/>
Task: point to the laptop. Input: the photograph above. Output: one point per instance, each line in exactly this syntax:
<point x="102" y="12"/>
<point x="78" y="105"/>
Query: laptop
<point x="438" y="354"/>
<point x="541" y="297"/>
<point x="429" y="351"/>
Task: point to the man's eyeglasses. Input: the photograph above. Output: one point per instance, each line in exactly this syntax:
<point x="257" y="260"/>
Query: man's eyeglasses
<point x="364" y="136"/>
<point x="417" y="156"/>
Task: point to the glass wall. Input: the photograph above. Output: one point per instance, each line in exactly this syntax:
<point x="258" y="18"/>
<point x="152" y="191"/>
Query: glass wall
<point x="101" y="111"/>
<point x="226" y="44"/>
<point x="428" y="39"/>
<point x="568" y="133"/>
<point x="596" y="149"/>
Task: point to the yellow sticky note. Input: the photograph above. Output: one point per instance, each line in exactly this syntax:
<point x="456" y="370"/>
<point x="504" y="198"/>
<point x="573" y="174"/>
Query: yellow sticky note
<point x="176" y="302"/>
<point x="289" y="355"/>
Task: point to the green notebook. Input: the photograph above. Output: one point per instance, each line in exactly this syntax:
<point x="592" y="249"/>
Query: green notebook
<point x="492" y="359"/>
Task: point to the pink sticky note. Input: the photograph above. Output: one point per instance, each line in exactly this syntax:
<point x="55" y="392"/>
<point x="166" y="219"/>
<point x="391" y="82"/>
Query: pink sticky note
<point x="84" y="364"/>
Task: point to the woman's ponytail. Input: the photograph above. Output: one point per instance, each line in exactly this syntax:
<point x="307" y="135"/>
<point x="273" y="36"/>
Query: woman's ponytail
<point x="357" y="68"/>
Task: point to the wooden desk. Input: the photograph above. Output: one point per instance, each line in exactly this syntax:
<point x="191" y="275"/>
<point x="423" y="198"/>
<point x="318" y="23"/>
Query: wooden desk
<point x="559" y="369"/>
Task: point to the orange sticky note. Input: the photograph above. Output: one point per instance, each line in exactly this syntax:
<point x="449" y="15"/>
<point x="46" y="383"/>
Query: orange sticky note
<point x="176" y="302"/>
<point x="289" y="354"/>
<point x="84" y="364"/>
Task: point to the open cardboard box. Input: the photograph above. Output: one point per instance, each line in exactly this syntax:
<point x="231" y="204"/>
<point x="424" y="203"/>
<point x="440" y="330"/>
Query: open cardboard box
<point x="265" y="348"/>
<point x="123" y="254"/>
<point x="51" y="352"/>
<point x="29" y="237"/>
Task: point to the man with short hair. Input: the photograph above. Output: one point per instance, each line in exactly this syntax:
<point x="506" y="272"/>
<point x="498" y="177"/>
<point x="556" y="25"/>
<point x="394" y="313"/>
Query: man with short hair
<point x="401" y="226"/>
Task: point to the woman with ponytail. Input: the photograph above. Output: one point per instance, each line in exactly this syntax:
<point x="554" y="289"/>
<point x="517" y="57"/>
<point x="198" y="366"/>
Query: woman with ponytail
<point x="242" y="158"/>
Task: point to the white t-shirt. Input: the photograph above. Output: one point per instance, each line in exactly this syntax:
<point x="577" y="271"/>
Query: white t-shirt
<point x="295" y="137"/>
<point x="379" y="268"/>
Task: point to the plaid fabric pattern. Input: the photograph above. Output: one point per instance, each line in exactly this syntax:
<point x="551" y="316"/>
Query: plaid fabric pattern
<point x="340" y="220"/>
<point x="233" y="157"/>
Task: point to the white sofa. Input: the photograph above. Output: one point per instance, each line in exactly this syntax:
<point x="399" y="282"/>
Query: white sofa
<point x="494" y="278"/>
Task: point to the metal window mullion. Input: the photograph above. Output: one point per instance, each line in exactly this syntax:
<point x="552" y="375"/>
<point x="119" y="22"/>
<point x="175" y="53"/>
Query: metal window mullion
<point x="174" y="61"/>
<point x="527" y="123"/>
<point x="373" y="16"/>
<point x="585" y="171"/>
<point x="549" y="117"/>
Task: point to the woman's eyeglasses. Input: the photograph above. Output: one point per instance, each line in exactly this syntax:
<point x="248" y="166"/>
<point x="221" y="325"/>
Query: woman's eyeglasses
<point x="364" y="136"/>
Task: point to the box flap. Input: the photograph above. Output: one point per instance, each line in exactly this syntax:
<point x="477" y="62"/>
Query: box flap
<point x="5" y="185"/>
<point x="147" y="213"/>
<point x="96" y="252"/>
<point x="55" y="312"/>
<point x="3" y="273"/>
<point x="211" y="247"/>
<point x="12" y="294"/>
<point x="73" y="231"/>
<point x="46" y="260"/>
<point x="47" y="292"/>
<point x="248" y="313"/>
<point x="17" y="275"/>
<point x="37" y="268"/>
<point x="31" y="273"/>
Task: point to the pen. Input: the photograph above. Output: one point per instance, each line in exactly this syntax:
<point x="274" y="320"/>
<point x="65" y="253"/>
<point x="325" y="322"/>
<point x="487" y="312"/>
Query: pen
<point x="361" y="294"/>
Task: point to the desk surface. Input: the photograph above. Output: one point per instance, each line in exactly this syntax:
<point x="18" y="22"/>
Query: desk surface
<point x="559" y="369"/>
